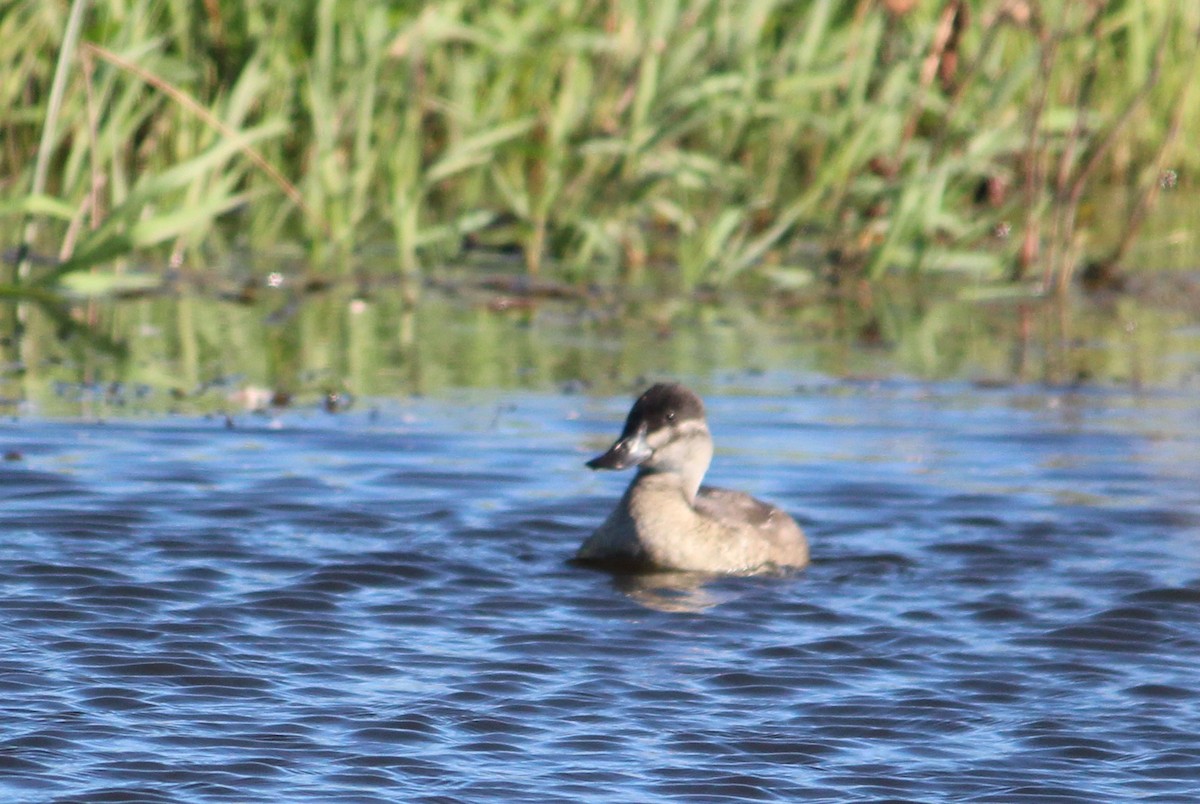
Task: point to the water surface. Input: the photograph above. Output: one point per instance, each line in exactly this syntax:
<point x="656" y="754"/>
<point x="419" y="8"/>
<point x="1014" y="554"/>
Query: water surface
<point x="376" y="606"/>
<point x="219" y="349"/>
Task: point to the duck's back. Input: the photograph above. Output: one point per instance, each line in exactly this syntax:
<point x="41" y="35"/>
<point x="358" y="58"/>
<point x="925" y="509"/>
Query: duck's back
<point x="775" y="533"/>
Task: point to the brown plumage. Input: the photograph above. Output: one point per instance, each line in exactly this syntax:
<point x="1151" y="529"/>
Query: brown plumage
<point x="666" y="519"/>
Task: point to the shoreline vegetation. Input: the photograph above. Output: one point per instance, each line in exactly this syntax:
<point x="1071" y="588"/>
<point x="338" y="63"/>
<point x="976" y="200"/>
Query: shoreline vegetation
<point x="696" y="143"/>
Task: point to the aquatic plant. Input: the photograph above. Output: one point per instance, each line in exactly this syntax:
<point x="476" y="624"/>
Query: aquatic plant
<point x="704" y="141"/>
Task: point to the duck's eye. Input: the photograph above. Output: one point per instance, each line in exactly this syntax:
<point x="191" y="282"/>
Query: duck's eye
<point x="670" y="415"/>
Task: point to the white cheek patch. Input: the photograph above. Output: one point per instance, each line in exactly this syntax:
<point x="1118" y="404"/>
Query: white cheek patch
<point x="659" y="438"/>
<point x="681" y="432"/>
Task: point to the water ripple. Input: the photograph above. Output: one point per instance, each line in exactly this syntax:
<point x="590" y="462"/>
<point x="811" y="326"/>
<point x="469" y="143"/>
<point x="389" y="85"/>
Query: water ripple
<point x="1004" y="606"/>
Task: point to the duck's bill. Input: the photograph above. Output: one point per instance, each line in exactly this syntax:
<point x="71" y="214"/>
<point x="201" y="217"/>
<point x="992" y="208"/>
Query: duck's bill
<point x="626" y="452"/>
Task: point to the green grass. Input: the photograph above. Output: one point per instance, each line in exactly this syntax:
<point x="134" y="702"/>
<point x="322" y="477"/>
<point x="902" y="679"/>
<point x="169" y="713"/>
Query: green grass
<point x="695" y="141"/>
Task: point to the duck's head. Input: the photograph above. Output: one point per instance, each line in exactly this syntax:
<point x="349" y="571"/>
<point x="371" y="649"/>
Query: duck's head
<point x="664" y="432"/>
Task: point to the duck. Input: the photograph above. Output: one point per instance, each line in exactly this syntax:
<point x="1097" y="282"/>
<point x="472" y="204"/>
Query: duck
<point x="667" y="520"/>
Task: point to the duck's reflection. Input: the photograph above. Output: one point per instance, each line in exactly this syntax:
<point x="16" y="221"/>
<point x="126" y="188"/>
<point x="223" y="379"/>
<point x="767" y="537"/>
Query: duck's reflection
<point x="677" y="590"/>
<point x="670" y="591"/>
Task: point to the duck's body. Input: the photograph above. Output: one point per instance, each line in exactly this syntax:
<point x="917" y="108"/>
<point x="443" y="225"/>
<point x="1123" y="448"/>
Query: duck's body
<point x="666" y="519"/>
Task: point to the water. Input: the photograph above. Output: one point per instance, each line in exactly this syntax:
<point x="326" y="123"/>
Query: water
<point x="376" y="606"/>
<point x="213" y="352"/>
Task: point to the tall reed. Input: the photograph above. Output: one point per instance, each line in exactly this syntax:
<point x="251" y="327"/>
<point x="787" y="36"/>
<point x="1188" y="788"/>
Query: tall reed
<point x="707" y="140"/>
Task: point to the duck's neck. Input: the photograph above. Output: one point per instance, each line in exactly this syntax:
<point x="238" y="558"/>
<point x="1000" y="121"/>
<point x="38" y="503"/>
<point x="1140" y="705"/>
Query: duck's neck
<point x="682" y="461"/>
<point x="688" y="481"/>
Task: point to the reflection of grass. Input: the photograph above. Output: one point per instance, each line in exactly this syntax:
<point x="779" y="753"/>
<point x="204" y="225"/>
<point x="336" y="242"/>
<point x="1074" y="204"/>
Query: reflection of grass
<point x="598" y="139"/>
<point x="206" y="354"/>
<point x="67" y="325"/>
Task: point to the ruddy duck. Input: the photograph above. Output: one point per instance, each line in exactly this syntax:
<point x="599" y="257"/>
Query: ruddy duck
<point x="666" y="520"/>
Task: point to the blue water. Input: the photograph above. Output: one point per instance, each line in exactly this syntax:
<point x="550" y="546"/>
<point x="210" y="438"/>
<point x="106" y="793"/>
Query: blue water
<point x="376" y="606"/>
